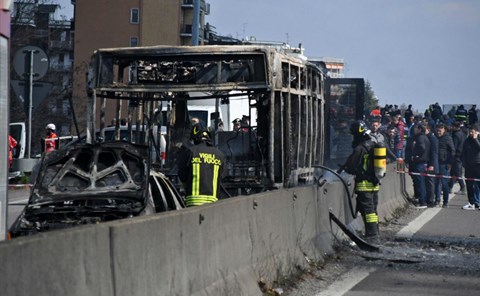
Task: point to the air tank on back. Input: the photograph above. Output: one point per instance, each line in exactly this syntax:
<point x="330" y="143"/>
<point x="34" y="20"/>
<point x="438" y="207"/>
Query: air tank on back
<point x="380" y="160"/>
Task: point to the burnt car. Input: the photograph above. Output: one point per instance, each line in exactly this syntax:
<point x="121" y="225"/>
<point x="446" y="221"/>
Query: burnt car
<point x="93" y="183"/>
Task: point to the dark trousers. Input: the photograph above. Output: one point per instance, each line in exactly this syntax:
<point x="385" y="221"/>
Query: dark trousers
<point x="430" y="188"/>
<point x="473" y="172"/>
<point x="419" y="182"/>
<point x="441" y="185"/>
<point x="367" y="203"/>
<point x="456" y="171"/>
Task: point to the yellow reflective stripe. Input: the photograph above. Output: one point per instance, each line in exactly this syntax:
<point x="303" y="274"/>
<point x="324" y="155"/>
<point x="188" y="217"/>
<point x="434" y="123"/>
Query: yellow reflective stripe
<point x="215" y="179"/>
<point x="199" y="200"/>
<point x="195" y="179"/>
<point x="365" y="162"/>
<point x="366" y="186"/>
<point x="371" y="218"/>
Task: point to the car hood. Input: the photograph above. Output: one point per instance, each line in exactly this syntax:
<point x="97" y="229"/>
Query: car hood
<point x="113" y="170"/>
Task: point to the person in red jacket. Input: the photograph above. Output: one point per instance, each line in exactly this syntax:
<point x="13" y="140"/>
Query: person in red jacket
<point x="400" y="125"/>
<point x="50" y="137"/>
<point x="12" y="143"/>
<point x="376" y="113"/>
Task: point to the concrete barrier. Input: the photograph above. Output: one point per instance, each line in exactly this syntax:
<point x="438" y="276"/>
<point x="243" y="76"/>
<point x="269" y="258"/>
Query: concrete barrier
<point x="391" y="195"/>
<point x="223" y="248"/>
<point x="74" y="262"/>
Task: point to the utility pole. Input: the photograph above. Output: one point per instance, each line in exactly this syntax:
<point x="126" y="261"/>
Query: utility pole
<point x="4" y="108"/>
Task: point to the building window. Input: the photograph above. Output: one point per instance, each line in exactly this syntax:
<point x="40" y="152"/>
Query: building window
<point x="133" y="41"/>
<point x="134" y="15"/>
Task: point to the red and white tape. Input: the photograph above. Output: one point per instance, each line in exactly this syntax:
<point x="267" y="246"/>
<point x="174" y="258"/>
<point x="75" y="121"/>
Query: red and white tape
<point x="438" y="176"/>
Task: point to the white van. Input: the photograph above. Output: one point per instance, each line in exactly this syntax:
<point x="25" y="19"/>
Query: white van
<point x="19" y="133"/>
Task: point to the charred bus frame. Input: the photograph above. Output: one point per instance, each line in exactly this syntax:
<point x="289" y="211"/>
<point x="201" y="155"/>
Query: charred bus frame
<point x="279" y="150"/>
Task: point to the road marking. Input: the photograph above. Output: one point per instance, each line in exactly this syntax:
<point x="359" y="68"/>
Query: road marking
<point x="412" y="227"/>
<point x="347" y="281"/>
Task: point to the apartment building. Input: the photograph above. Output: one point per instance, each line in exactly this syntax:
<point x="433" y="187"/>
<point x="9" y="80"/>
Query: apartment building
<point x="335" y="67"/>
<point x="107" y="23"/>
<point x="39" y="25"/>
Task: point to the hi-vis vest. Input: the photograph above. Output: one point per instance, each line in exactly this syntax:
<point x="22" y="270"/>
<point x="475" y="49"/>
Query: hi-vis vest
<point x="461" y="114"/>
<point x="206" y="172"/>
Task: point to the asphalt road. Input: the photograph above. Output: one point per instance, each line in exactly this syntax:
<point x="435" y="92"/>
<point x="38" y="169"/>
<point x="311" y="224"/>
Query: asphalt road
<point x="17" y="198"/>
<point x="433" y="251"/>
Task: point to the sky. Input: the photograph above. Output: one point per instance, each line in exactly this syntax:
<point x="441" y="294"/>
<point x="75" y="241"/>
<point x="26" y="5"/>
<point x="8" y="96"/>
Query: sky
<point x="415" y="52"/>
<point x="66" y="8"/>
<point x="411" y="51"/>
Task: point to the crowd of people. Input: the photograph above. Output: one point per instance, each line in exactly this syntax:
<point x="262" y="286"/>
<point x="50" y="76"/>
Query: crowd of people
<point x="439" y="150"/>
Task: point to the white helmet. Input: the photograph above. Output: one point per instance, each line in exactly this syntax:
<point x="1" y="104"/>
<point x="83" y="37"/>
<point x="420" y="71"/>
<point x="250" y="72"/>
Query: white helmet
<point x="50" y="126"/>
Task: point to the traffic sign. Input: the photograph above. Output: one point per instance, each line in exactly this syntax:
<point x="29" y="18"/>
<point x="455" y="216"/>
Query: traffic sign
<point x="40" y="92"/>
<point x="21" y="62"/>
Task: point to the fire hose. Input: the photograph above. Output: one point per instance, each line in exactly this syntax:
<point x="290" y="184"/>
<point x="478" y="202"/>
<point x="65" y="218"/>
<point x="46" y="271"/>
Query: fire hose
<point x="362" y="244"/>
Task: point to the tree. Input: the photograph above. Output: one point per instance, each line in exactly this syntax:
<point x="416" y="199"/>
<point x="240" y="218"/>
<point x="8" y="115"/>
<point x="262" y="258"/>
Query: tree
<point x="371" y="100"/>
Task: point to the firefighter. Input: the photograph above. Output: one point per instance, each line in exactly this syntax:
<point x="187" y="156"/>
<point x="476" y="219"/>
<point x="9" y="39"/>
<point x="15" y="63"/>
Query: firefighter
<point x="200" y="168"/>
<point x="50" y="138"/>
<point x="367" y="185"/>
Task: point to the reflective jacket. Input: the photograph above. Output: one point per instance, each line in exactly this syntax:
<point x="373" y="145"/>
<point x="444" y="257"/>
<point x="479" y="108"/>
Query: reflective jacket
<point x="50" y="144"/>
<point x="461" y="114"/>
<point x="200" y="168"/>
<point x="12" y="143"/>
<point x="360" y="164"/>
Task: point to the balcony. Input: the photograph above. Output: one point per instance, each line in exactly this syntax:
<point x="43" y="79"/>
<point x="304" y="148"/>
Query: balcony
<point x="60" y="24"/>
<point x="187" y="3"/>
<point x="66" y="45"/>
<point x="205" y="7"/>
<point x="60" y="67"/>
<point x="186" y="31"/>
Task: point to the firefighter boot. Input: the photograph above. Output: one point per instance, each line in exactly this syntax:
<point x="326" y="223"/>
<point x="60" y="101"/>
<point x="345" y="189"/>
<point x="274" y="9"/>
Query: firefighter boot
<point x="371" y="225"/>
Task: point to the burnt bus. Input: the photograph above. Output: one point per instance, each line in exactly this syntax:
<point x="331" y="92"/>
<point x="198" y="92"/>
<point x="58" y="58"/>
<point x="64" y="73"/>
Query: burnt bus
<point x="284" y="90"/>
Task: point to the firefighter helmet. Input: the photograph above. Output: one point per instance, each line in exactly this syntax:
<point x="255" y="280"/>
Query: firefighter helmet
<point x="50" y="126"/>
<point x="199" y="133"/>
<point x="359" y="128"/>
